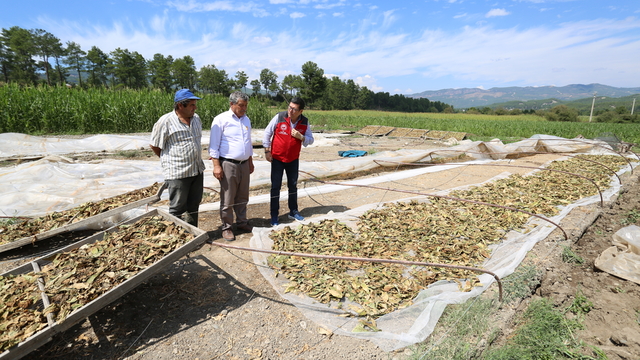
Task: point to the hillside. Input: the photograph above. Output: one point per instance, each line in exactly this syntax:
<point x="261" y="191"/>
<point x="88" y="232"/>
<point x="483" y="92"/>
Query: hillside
<point x="602" y="103"/>
<point x="468" y="97"/>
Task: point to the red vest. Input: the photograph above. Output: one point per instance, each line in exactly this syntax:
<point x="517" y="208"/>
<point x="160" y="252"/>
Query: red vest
<point x="285" y="147"/>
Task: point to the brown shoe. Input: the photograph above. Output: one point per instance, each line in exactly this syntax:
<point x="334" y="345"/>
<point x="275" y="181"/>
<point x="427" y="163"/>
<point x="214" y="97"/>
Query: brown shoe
<point x="228" y="235"/>
<point x="245" y="227"/>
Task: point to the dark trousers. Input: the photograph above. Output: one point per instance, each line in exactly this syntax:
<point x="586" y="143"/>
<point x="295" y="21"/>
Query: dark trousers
<point x="277" y="169"/>
<point x="185" y="196"/>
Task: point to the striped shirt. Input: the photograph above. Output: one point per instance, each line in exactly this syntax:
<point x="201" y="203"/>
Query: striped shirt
<point x="181" y="145"/>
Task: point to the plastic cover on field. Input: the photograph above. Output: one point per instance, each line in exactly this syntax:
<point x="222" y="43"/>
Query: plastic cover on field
<point x="56" y="183"/>
<point x="22" y="145"/>
<point x="415" y="323"/>
<point x="623" y="258"/>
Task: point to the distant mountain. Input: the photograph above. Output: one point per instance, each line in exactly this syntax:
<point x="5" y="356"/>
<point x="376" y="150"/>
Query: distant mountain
<point x="468" y="97"/>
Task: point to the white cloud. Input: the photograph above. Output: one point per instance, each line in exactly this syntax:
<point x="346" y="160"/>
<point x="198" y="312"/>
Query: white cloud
<point x="338" y="14"/>
<point x="296" y="15"/>
<point x="262" y="40"/>
<point x="406" y="91"/>
<point x="389" y="18"/>
<point x="158" y="23"/>
<point x="195" y="6"/>
<point x="369" y="82"/>
<point x="596" y="51"/>
<point x="497" y="12"/>
<point x="327" y="6"/>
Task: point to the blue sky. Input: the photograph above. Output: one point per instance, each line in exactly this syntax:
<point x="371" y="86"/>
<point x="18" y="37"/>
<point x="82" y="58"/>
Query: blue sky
<point x="394" y="46"/>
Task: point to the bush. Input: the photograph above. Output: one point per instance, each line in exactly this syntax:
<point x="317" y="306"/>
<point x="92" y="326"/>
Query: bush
<point x="608" y="117"/>
<point x="615" y="118"/>
<point x="562" y="113"/>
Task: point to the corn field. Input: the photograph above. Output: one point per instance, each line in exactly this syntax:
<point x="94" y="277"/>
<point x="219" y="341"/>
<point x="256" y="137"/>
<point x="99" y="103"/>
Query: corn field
<point x="479" y="127"/>
<point x="59" y="110"/>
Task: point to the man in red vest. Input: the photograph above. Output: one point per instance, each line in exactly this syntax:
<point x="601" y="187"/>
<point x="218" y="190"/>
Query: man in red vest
<point x="283" y="138"/>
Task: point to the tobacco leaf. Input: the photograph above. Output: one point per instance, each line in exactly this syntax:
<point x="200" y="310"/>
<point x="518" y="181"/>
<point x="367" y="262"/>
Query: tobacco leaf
<point x="437" y="231"/>
<point x="12" y="232"/>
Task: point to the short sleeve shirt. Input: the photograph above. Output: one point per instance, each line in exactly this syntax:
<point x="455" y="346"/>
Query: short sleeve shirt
<point x="181" y="144"/>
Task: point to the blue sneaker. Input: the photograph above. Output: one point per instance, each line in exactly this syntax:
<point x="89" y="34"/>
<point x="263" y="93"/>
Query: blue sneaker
<point x="274" y="221"/>
<point x="296" y="216"/>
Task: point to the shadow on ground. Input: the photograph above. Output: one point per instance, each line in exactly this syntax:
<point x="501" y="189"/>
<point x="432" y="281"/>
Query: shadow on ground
<point x="190" y="292"/>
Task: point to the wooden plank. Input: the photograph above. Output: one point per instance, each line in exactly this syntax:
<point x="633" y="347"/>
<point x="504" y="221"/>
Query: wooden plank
<point x="383" y="131"/>
<point x="368" y="130"/>
<point x="400" y="132"/>
<point x="44" y="335"/>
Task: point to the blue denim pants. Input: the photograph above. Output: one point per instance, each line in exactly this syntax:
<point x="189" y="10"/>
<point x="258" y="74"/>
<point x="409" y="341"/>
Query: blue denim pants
<point x="278" y="168"/>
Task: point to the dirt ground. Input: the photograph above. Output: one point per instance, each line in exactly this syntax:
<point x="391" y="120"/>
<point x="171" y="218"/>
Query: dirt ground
<point x="216" y="305"/>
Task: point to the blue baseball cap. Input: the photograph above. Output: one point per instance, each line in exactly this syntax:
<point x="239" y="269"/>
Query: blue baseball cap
<point x="184" y="94"/>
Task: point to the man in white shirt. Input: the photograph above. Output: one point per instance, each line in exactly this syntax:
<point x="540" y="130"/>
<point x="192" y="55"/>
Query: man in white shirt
<point x="231" y="151"/>
<point x="176" y="139"/>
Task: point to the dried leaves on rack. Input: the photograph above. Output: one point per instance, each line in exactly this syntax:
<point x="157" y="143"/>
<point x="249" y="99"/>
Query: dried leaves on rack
<point x="76" y="277"/>
<point x="9" y="233"/>
<point x="21" y="310"/>
<point x="436" y="231"/>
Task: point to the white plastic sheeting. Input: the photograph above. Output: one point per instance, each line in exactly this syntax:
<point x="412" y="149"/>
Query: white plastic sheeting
<point x="415" y="323"/>
<point x="22" y="145"/>
<point x="56" y="183"/>
<point x="623" y="258"/>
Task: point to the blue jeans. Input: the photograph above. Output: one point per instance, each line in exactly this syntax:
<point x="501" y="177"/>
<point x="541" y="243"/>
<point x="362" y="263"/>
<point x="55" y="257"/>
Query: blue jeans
<point x="277" y="169"/>
<point x="185" y="196"/>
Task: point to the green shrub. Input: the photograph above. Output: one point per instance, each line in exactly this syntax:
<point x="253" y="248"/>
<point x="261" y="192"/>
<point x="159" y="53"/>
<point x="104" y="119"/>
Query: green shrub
<point x="562" y="113"/>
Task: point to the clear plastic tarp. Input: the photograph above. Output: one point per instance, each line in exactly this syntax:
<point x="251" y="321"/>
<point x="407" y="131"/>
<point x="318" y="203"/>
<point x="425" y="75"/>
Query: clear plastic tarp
<point x="56" y="183"/>
<point x="415" y="323"/>
<point x="622" y="259"/>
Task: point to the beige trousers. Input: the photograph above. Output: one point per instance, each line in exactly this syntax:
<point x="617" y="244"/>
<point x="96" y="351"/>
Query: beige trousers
<point x="234" y="193"/>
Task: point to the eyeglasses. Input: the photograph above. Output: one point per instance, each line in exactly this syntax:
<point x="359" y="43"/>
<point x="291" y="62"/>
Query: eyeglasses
<point x="293" y="109"/>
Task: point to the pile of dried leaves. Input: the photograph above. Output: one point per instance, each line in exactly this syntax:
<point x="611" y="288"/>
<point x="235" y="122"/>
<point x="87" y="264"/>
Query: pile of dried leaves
<point x="437" y="231"/>
<point x="76" y="277"/>
<point x="21" y="312"/>
<point x="9" y="233"/>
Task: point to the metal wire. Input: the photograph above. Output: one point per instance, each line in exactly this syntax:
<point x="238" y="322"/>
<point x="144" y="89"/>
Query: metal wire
<point x="360" y="259"/>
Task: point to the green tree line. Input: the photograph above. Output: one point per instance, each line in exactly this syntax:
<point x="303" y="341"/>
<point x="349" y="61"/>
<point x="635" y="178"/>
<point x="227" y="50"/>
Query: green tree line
<point x="37" y="57"/>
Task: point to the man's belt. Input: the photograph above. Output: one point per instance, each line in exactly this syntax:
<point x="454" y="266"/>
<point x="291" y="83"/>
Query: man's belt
<point x="238" y="162"/>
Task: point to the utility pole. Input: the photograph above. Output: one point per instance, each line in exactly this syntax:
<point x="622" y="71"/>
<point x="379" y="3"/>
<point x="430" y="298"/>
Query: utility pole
<point x="592" y="104"/>
<point x="633" y="106"/>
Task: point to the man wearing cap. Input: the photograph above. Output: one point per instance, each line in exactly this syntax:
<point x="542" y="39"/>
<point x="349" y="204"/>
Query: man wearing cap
<point x="177" y="139"/>
<point x="231" y="151"/>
